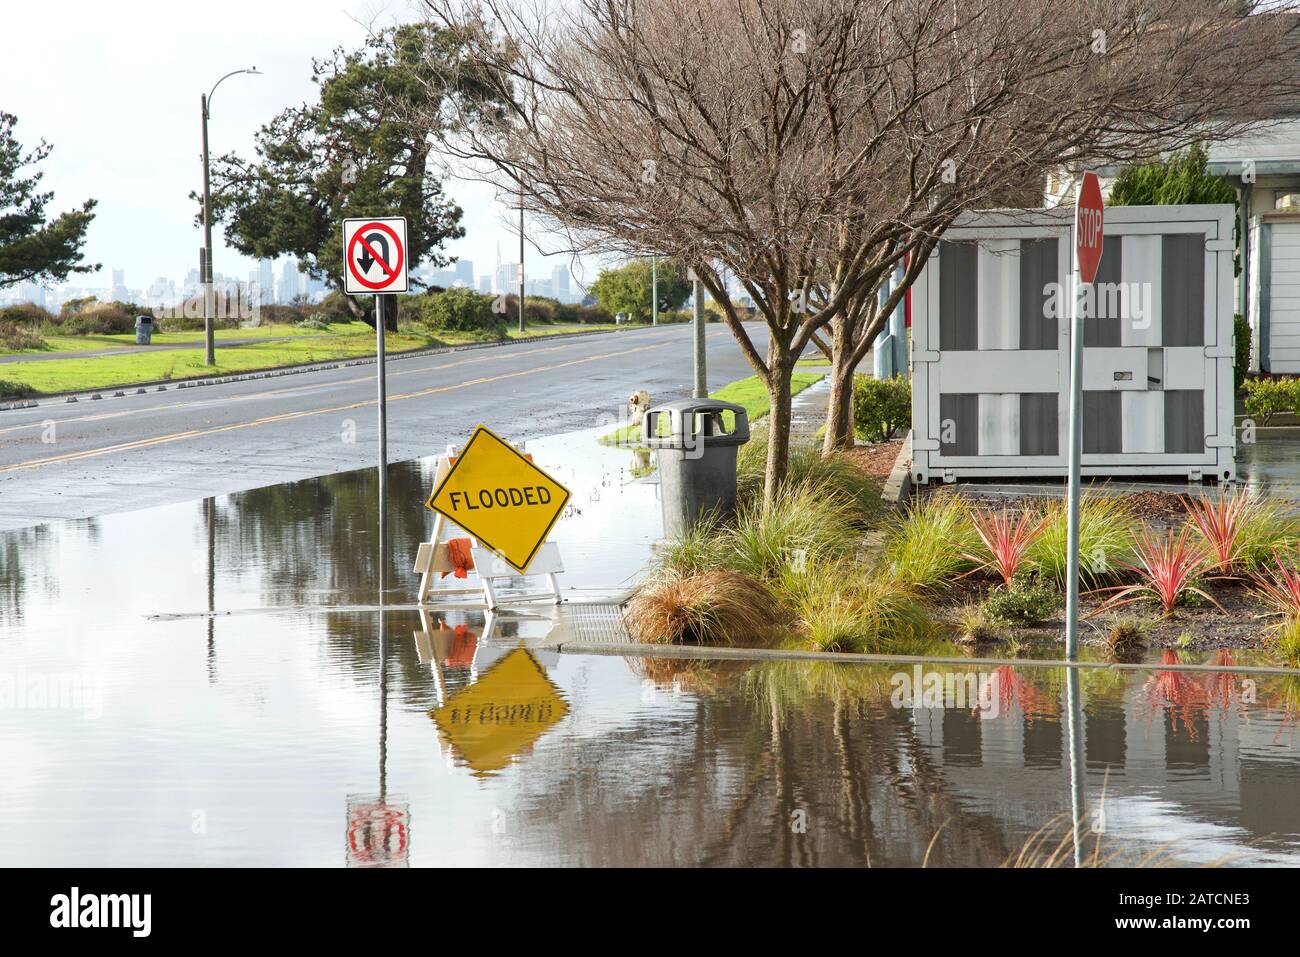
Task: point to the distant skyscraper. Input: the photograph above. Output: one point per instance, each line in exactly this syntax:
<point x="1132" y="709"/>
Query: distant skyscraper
<point x="290" y="282"/>
<point x="118" y="291"/>
<point x="465" y="272"/>
<point x="508" y="277"/>
<point x="485" y="284"/>
<point x="266" y="281"/>
<point x="560" y="282"/>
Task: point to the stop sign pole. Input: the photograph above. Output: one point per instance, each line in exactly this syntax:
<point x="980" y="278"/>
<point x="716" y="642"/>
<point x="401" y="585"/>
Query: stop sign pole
<point x="1089" y="218"/>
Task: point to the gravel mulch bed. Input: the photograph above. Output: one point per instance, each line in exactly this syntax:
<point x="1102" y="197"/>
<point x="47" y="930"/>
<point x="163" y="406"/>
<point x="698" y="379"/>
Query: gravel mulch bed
<point x="1242" y="622"/>
<point x="877" y="460"/>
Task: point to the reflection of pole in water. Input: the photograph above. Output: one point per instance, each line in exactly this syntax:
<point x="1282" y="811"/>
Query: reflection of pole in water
<point x="383" y="704"/>
<point x="210" y="508"/>
<point x="1074" y="720"/>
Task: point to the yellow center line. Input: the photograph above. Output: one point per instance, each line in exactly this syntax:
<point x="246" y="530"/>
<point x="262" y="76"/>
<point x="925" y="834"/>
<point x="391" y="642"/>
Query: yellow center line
<point x="288" y="416"/>
<point x="290" y="390"/>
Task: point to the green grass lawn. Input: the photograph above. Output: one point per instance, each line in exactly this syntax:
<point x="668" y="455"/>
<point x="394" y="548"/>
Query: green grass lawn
<point x="99" y="343"/>
<point x="344" y="341"/>
<point x="749" y="393"/>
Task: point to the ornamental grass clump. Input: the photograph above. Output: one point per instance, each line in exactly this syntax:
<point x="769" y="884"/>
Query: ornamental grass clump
<point x="708" y="608"/>
<point x="843" y="609"/>
<point x="931" y="544"/>
<point x="1270" y="528"/>
<point x="808" y="466"/>
<point x="1127" y="638"/>
<point x="806" y="525"/>
<point x="974" y="627"/>
<point x="1105" y="527"/>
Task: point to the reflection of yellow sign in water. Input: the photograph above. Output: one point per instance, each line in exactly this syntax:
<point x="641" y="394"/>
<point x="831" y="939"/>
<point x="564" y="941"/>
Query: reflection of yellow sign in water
<point x="503" y="713"/>
<point x="501" y="498"/>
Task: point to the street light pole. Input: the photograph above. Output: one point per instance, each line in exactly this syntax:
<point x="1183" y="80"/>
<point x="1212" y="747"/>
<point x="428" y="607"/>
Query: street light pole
<point x="654" y="290"/>
<point x="701" y="385"/>
<point x="521" y="261"/>
<point x="205" y="104"/>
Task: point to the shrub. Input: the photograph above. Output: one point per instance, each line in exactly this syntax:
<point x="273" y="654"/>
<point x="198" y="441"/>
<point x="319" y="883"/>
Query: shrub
<point x="1006" y="539"/>
<point x="1169" y="569"/>
<point x="931" y="543"/>
<point x="316" y="321"/>
<point x="17" y="336"/>
<point x="15" y="390"/>
<point x="26" y="314"/>
<point x="1241" y="357"/>
<point x="461" y="310"/>
<point x="1267" y="397"/>
<point x="184" y="323"/>
<point x="716" y="607"/>
<point x="1022" y="603"/>
<point x="98" y="319"/>
<point x="881" y="406"/>
<point x="1105" y="524"/>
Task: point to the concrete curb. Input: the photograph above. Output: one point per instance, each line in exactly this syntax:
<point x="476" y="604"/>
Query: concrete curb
<point x="162" y="385"/>
<point x="898" y="487"/>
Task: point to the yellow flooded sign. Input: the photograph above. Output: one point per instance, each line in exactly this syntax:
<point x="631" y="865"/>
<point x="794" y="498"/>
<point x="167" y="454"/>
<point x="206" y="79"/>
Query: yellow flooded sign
<point x="501" y="498"/>
<point x="503" y="713"/>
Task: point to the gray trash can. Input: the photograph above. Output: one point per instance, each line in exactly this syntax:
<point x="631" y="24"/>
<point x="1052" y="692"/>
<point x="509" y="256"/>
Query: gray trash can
<point x="143" y="330"/>
<point x="697" y="458"/>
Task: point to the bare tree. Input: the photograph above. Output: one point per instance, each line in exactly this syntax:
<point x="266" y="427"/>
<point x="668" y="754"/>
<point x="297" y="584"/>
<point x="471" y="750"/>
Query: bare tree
<point x="806" y="147"/>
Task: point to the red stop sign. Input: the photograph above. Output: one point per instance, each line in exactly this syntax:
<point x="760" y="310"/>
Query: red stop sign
<point x="1089" y="222"/>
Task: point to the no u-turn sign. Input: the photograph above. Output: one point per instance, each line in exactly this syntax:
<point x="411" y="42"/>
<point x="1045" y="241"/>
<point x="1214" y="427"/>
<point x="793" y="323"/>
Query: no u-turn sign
<point x="374" y="251"/>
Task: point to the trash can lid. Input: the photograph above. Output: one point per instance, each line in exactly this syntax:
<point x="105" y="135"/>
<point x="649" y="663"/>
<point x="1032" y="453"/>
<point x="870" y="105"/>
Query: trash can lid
<point x="683" y="411"/>
<point x="144" y="320"/>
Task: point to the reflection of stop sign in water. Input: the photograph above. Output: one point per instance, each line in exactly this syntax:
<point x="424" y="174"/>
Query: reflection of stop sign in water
<point x="1089" y="220"/>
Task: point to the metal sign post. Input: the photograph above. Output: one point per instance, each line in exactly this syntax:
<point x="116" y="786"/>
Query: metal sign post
<point x="374" y="252"/>
<point x="1085" y="258"/>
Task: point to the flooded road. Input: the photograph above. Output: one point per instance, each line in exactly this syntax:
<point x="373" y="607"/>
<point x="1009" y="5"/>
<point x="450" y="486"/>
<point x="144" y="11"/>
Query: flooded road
<point x="359" y="738"/>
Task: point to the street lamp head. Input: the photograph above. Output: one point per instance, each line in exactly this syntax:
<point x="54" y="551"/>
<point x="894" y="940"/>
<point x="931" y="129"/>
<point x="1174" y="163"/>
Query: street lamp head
<point x="254" y="70"/>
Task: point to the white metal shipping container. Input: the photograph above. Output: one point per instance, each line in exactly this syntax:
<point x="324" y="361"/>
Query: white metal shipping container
<point x="1275" y="292"/>
<point x="991" y="347"/>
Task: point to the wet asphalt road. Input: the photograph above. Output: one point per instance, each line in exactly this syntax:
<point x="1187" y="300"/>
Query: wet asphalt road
<point x="75" y="460"/>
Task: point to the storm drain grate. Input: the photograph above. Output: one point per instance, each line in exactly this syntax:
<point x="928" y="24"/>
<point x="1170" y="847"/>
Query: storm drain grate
<point x="594" y="624"/>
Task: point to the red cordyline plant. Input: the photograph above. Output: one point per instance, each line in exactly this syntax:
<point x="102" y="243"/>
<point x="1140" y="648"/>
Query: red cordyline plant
<point x="1168" y="568"/>
<point x="1281" y="588"/>
<point x="1007" y="538"/>
<point x="1220" y="521"/>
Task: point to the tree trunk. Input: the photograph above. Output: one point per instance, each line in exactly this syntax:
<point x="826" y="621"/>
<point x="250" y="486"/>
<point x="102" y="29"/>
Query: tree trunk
<point x="839" y="410"/>
<point x="778" y="431"/>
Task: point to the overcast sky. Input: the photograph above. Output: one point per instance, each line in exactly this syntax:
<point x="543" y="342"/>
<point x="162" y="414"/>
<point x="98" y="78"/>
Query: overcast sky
<point x="115" y="88"/>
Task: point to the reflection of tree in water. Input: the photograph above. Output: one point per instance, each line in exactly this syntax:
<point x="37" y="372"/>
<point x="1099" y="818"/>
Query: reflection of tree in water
<point x="315" y="542"/>
<point x="28" y="561"/>
<point x="791" y="764"/>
